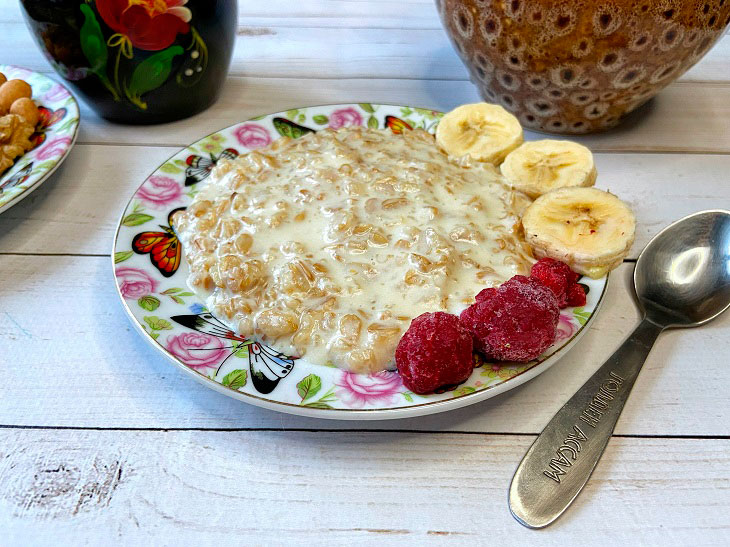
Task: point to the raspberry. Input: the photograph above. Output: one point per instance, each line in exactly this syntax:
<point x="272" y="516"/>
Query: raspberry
<point x="435" y="352"/>
<point x="576" y="295"/>
<point x="515" y="322"/>
<point x="486" y="294"/>
<point x="559" y="278"/>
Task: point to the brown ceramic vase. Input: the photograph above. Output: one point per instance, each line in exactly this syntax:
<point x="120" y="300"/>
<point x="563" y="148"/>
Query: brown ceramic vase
<point x="579" y="66"/>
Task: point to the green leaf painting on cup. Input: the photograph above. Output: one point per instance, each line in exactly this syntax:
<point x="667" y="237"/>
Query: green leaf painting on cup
<point x="151" y="74"/>
<point x="93" y="45"/>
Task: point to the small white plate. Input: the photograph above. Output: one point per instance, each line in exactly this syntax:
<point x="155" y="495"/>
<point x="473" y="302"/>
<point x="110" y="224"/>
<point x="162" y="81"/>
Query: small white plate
<point x="55" y="135"/>
<point x="175" y="322"/>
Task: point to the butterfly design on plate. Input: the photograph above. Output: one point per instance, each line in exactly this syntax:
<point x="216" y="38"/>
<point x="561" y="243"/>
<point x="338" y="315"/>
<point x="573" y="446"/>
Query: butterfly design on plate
<point x="396" y="125"/>
<point x="163" y="247"/>
<point x="199" y="168"/>
<point x="267" y="367"/>
<point x="288" y="128"/>
<point x="18" y="178"/>
<point x="47" y="118"/>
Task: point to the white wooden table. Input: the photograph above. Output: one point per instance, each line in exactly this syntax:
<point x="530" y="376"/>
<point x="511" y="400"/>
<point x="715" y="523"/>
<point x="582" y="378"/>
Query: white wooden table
<point x="103" y="440"/>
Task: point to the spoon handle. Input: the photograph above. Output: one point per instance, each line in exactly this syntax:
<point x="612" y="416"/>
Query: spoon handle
<point x="562" y="458"/>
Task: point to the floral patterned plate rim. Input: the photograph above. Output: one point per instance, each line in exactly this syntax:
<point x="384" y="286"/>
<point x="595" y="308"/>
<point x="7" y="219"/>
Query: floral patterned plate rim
<point x="152" y="286"/>
<point x="55" y="135"/>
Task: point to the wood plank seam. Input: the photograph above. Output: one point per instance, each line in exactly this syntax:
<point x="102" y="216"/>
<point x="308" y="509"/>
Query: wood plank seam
<point x="349" y="430"/>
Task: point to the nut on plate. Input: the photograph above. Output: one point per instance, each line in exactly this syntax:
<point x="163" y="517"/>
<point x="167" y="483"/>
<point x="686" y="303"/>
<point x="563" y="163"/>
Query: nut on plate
<point x="14" y="139"/>
<point x="12" y="90"/>
<point x="27" y="109"/>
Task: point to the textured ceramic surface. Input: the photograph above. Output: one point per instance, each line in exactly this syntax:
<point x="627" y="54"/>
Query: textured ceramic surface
<point x="579" y="67"/>
<point x="176" y="322"/>
<point x="54" y="136"/>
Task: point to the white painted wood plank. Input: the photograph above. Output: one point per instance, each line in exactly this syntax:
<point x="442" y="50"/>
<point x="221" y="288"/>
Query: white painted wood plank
<point x="341" y="13"/>
<point x="78" y="209"/>
<point x="10" y="11"/>
<point x="70" y="358"/>
<point x="346" y="52"/>
<point x="341" y="51"/>
<point x="284" y="488"/>
<point x="383" y="53"/>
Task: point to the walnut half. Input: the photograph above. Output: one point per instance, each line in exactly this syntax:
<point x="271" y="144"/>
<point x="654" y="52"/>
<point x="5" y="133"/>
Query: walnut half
<point x="14" y="133"/>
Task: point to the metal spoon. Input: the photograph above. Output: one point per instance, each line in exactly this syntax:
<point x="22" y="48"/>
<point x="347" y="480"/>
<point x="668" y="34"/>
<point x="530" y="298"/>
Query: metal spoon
<point x="682" y="279"/>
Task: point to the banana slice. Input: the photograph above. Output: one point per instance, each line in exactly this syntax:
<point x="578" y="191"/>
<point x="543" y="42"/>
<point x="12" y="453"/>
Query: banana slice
<point x="588" y="229"/>
<point x="540" y="166"/>
<point x="484" y="132"/>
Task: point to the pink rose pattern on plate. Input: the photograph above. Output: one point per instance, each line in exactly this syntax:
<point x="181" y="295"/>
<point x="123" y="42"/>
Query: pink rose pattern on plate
<point x="223" y="360"/>
<point x="566" y="328"/>
<point x="56" y="93"/>
<point x="345" y="117"/>
<point x="198" y="351"/>
<point x="135" y="283"/>
<point x="359" y="390"/>
<point x="252" y="135"/>
<point x="160" y="191"/>
<point x="53" y="147"/>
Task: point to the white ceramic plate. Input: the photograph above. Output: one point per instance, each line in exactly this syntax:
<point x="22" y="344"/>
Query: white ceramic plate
<point x="55" y="135"/>
<point x="175" y="322"/>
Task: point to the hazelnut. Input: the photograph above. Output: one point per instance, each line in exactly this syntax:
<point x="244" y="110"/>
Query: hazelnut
<point x="26" y="109"/>
<point x="12" y="90"/>
<point x="3" y="79"/>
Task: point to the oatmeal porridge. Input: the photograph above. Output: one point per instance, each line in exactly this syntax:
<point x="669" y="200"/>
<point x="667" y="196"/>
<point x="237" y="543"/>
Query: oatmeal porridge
<point x="327" y="246"/>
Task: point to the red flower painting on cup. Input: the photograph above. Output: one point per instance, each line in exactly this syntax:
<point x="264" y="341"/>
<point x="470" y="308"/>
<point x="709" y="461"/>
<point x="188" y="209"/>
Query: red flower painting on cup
<point x="143" y="51"/>
<point x="151" y="25"/>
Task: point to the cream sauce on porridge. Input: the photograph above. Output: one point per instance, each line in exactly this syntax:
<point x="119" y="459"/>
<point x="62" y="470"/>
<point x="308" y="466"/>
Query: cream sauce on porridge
<point x="327" y="246"/>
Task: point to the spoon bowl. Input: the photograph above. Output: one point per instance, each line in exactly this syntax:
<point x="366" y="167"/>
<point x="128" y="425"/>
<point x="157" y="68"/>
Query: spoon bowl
<point x="682" y="277"/>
